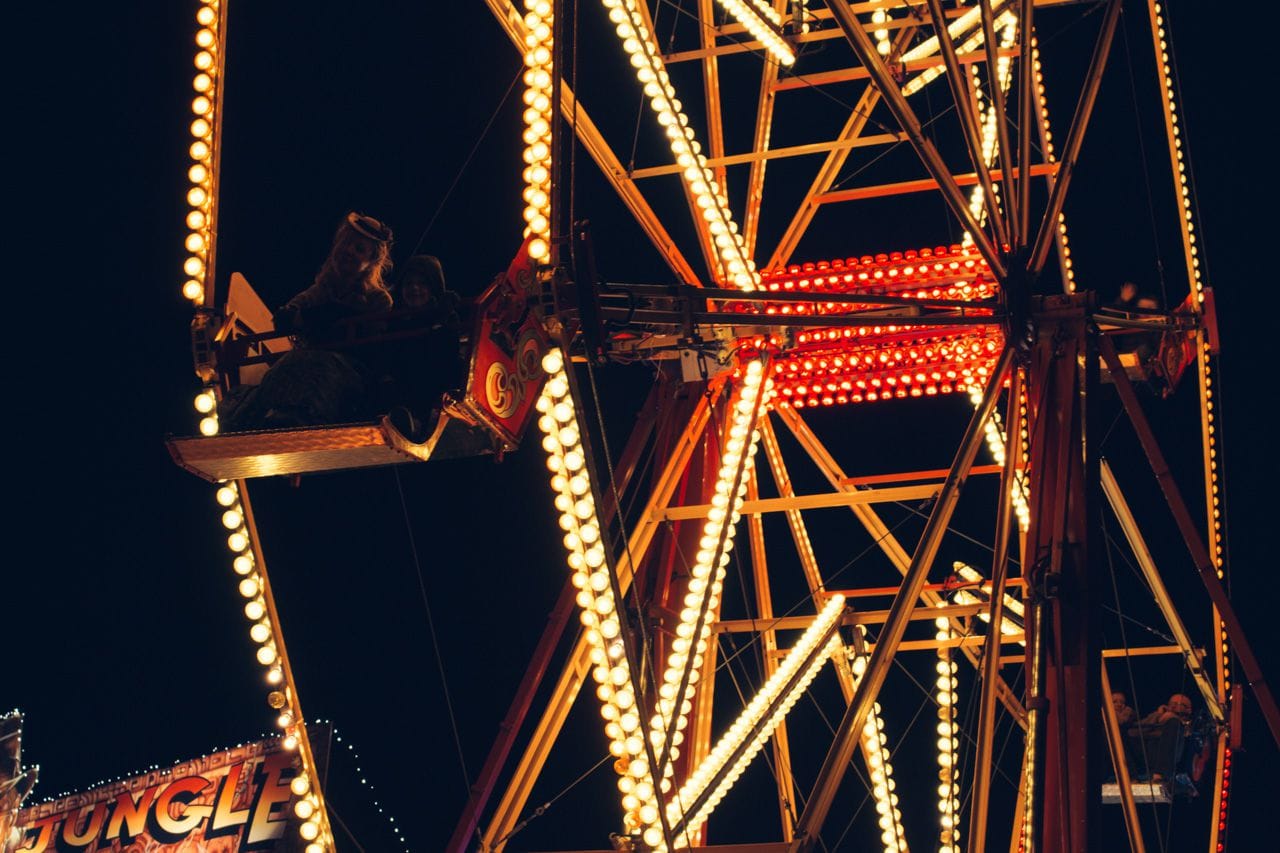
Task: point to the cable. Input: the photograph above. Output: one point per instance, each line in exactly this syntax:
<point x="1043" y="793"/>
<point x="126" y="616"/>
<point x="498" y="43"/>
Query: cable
<point x="542" y="809"/>
<point x="457" y="177"/>
<point x="431" y="627"/>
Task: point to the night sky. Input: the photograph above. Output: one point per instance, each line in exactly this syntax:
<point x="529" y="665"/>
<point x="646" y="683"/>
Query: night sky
<point x="126" y="643"/>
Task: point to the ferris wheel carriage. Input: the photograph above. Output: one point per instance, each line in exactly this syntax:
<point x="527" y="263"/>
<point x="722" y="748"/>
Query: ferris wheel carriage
<point x="478" y="400"/>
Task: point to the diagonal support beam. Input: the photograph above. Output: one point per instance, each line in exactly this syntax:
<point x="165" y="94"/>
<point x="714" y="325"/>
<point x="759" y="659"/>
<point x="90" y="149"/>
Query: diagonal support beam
<point x="1195" y="544"/>
<point x="991" y="654"/>
<point x="824" y="789"/>
<point x="998" y="104"/>
<point x="1075" y="139"/>
<point x="959" y="82"/>
<point x="512" y="22"/>
<point x="1193" y="656"/>
<point x="883" y="537"/>
<point x="893" y="98"/>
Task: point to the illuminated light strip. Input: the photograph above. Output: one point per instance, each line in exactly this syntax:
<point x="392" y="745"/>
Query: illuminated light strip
<point x="1008" y="627"/>
<point x="206" y="403"/>
<point x="930" y="45"/>
<point x="736" y="266"/>
<point x="948" y="730"/>
<point x="996" y="444"/>
<point x="990" y="131"/>
<point x="1213" y="494"/>
<point x="1064" y="248"/>
<point x="707" y="573"/>
<point x="205" y="132"/>
<point x="802" y="663"/>
<point x="264" y="630"/>
<point x="880" y="17"/>
<point x="752" y="14"/>
<point x="598" y="612"/>
<point x="539" y="67"/>
<point x="875" y="749"/>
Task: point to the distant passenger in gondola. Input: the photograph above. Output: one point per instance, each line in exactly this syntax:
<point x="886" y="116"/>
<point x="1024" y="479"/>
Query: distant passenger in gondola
<point x="1155" y="743"/>
<point x="317" y="382"/>
<point x="1124" y="714"/>
<point x="421" y="366"/>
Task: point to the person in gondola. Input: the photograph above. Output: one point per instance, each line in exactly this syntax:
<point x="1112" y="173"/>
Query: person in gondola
<point x="1155" y="742"/>
<point x="317" y="382"/>
<point x="420" y="366"/>
<point x="1124" y="714"/>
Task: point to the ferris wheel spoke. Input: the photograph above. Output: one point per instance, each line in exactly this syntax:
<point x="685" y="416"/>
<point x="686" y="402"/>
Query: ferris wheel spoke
<point x="969" y="124"/>
<point x="826" y="176"/>
<point x="593" y="141"/>
<point x="824" y="789"/>
<point x="1001" y="122"/>
<point x="991" y="654"/>
<point x="1075" y="139"/>
<point x="1020" y="209"/>
<point x="902" y="111"/>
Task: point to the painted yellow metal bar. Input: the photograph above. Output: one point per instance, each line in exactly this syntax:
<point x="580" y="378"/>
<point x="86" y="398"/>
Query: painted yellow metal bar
<point x="570" y="682"/>
<point x="769" y="642"/>
<point x="922" y="491"/>
<point x="881" y="534"/>
<point x="1147" y="564"/>
<point x="593" y="141"/>
<point x="759" y="143"/>
<point x="1115" y="745"/>
<point x="711" y="89"/>
<point x="778" y="153"/>
<point x="289" y="686"/>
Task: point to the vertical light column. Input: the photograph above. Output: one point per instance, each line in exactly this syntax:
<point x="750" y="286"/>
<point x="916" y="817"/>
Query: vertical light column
<point x="264" y="630"/>
<point x="990" y="135"/>
<point x="206" y="125"/>
<point x="948" y="732"/>
<point x="1212" y="486"/>
<point x="204" y="155"/>
<point x="642" y="50"/>
<point x="539" y="56"/>
<point x="996" y="444"/>
<point x="875" y="748"/>
<point x="1046" y="144"/>
<point x="706" y="582"/>
<point x="598" y="611"/>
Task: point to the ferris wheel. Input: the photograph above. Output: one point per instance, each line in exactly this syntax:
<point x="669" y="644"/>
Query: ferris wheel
<point x="775" y="338"/>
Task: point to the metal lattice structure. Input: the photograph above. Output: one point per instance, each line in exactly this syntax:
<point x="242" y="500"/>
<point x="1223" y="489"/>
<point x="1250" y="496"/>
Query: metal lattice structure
<point x="752" y="340"/>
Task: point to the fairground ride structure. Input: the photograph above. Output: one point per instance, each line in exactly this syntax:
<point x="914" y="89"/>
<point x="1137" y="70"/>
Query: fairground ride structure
<point x="760" y="351"/>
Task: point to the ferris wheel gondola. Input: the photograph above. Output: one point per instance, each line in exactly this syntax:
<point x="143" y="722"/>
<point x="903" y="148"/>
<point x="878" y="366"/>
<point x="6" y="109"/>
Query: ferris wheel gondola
<point x="752" y="348"/>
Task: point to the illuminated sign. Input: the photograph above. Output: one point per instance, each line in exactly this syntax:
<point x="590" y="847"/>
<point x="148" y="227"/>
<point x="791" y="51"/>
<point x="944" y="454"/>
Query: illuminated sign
<point x="237" y="799"/>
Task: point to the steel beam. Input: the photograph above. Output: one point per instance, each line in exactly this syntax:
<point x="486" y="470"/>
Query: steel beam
<point x="883" y="537"/>
<point x="959" y="82"/>
<point x="1195" y="544"/>
<point x="1075" y="139"/>
<point x="866" y="53"/>
<point x="1147" y="564"/>
<point x="1119" y="762"/>
<point x="850" y="728"/>
<point x="769" y="644"/>
<point x="991" y="653"/>
<point x="512" y="22"/>
<point x="921" y="185"/>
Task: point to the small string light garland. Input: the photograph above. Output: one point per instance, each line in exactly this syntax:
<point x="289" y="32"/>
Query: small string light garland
<point x="395" y="827"/>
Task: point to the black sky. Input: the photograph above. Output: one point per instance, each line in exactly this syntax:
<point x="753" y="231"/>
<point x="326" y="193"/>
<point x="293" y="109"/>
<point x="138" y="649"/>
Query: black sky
<point x="127" y="647"/>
